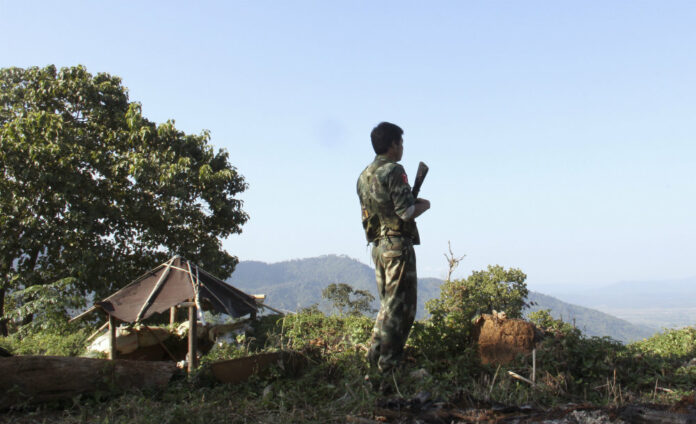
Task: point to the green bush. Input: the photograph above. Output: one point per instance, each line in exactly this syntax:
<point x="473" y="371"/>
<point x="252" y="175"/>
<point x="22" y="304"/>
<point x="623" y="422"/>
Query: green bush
<point x="307" y="329"/>
<point x="300" y="330"/>
<point x="543" y="320"/>
<point x="67" y="341"/>
<point x="678" y="342"/>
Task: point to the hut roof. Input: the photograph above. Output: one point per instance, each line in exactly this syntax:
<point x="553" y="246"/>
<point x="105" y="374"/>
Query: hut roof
<point x="171" y="283"/>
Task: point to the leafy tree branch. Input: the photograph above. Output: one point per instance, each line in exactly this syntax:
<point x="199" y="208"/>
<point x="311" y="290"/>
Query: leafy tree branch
<point x="93" y="191"/>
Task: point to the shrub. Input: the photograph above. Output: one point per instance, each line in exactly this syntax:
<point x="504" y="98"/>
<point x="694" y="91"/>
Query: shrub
<point x="300" y="330"/>
<point x="677" y="342"/>
<point x="543" y="320"/>
<point x="69" y="341"/>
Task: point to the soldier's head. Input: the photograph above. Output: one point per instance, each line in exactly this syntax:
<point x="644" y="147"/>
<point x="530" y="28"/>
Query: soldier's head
<point x="387" y="139"/>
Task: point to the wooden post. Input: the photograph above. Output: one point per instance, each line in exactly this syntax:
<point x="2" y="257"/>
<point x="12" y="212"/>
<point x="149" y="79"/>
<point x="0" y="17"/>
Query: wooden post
<point x="534" y="365"/>
<point x="113" y="353"/>
<point x="172" y="315"/>
<point x="3" y="321"/>
<point x="192" y="341"/>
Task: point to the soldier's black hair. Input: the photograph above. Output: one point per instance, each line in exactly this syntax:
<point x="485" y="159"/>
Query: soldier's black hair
<point x="384" y="135"/>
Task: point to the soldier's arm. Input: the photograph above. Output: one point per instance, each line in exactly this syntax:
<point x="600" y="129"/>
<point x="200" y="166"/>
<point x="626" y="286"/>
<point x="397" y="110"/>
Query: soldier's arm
<point x="405" y="205"/>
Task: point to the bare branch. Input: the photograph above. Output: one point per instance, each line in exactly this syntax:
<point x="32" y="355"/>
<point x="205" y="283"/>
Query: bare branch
<point x="452" y="261"/>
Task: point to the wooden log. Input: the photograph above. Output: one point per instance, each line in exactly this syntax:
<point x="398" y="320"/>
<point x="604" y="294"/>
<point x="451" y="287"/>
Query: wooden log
<point x="278" y="311"/>
<point x="37" y="379"/>
<point x="85" y="313"/>
<point x="519" y="377"/>
<point x="192" y="340"/>
<point x="240" y="369"/>
<point x="96" y="333"/>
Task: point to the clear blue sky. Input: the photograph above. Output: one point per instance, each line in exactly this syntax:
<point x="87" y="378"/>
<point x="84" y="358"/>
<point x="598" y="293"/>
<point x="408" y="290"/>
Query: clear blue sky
<point x="560" y="136"/>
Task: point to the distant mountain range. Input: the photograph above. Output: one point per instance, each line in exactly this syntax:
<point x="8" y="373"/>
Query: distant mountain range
<point x="658" y="304"/>
<point x="637" y="294"/>
<point x="295" y="284"/>
<point x="591" y="321"/>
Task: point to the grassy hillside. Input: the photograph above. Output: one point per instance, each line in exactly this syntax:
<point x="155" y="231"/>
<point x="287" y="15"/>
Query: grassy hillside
<point x="440" y="381"/>
<point x="294" y="284"/>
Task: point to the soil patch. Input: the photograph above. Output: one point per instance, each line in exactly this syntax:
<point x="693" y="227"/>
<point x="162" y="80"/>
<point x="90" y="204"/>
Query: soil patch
<point x="500" y="339"/>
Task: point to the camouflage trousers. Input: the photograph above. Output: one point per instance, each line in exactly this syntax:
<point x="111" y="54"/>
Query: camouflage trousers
<point x="395" y="269"/>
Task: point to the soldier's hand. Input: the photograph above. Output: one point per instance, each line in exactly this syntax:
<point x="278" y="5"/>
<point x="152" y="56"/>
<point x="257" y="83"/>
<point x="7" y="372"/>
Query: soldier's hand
<point x="422" y="205"/>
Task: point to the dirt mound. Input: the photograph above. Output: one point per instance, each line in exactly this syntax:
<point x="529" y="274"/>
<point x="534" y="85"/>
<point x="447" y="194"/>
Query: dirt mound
<point x="501" y="339"/>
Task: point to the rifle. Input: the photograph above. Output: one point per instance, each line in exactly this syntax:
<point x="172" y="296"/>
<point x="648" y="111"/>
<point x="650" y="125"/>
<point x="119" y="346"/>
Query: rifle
<point x="420" y="176"/>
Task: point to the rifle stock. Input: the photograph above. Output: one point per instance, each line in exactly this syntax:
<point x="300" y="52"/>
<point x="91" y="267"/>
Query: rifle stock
<point x="420" y="176"/>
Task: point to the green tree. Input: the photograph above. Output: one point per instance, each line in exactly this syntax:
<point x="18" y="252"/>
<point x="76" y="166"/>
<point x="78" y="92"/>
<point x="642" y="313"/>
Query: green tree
<point x="340" y="297"/>
<point x="92" y="193"/>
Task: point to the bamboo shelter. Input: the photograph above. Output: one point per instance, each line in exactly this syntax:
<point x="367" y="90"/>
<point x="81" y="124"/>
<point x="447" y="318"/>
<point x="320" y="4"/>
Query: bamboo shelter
<point x="177" y="283"/>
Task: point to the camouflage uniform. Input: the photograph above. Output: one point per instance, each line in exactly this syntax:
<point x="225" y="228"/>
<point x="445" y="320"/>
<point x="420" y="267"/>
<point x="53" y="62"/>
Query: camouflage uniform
<point x="385" y="194"/>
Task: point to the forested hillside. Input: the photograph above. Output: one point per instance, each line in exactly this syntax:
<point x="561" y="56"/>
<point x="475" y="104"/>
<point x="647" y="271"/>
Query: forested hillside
<point x="590" y="321"/>
<point x="295" y="284"/>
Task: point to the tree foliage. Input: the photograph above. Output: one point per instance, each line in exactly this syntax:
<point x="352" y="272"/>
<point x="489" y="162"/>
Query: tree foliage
<point x="93" y="191"/>
<point x="339" y="294"/>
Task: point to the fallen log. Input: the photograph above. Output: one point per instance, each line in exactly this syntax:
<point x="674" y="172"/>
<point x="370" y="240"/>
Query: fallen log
<point x="240" y="369"/>
<point x="38" y="379"/>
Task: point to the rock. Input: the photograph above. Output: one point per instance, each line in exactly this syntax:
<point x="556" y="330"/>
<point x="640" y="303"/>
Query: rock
<point x="267" y="392"/>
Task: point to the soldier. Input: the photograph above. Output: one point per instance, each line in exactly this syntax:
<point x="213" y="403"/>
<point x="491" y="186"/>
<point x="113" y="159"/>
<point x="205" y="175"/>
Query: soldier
<point x="388" y="212"/>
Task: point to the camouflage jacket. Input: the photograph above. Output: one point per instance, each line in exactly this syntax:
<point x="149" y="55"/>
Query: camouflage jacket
<point x="385" y="194"/>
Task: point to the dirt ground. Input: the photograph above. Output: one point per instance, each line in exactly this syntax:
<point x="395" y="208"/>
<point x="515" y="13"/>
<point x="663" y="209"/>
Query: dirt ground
<point x="422" y="409"/>
<point x="500" y="339"/>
